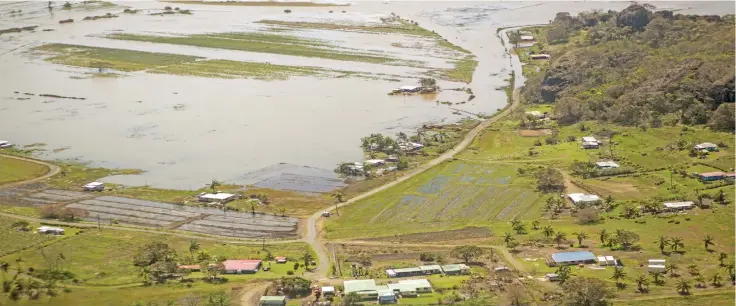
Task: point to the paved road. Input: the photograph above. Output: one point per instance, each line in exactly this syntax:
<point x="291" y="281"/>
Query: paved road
<point x="53" y="170"/>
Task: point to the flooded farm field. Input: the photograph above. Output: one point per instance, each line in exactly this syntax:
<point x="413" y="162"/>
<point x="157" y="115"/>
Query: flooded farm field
<point x="248" y="94"/>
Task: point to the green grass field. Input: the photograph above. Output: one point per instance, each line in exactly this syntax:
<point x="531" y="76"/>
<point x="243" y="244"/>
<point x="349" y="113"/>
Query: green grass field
<point x="13" y="170"/>
<point x="14" y="240"/>
<point x="105" y="258"/>
<point x="451" y="195"/>
<point x="118" y="59"/>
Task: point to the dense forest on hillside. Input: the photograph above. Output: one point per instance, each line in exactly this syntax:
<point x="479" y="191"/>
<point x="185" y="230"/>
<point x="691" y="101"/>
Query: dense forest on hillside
<point x="638" y="67"/>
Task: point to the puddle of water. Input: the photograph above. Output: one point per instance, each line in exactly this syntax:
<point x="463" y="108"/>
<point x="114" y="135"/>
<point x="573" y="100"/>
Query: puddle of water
<point x="225" y="129"/>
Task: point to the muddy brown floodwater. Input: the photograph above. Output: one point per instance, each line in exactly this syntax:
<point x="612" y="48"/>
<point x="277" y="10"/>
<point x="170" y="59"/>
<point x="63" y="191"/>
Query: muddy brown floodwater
<point x="185" y="131"/>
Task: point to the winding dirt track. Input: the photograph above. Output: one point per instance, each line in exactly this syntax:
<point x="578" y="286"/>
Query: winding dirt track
<point x="53" y="170"/>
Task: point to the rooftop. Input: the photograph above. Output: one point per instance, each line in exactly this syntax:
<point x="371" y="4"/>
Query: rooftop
<point x="589" y="139"/>
<point x="430" y="267"/>
<point x="707" y="145"/>
<point x="328" y="289"/>
<point x="216" y="196"/>
<point x="241" y="264"/>
<point x="606" y="164"/>
<point x="573" y="256"/>
<point x="418" y="283"/>
<point x="679" y="204"/>
<point x="583" y="198"/>
<point x="359" y="285"/>
<point x="49" y="228"/>
<point x="402" y="287"/>
<point x="273" y="298"/>
<point x="455" y="267"/>
<point x="717" y="173"/>
<point x="407" y="270"/>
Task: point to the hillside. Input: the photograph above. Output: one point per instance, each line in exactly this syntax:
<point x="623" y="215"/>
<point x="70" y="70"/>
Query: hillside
<point x="637" y="67"/>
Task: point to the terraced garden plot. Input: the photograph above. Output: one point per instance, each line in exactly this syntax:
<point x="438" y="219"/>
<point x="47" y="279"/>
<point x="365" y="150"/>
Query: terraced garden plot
<point x="452" y="195"/>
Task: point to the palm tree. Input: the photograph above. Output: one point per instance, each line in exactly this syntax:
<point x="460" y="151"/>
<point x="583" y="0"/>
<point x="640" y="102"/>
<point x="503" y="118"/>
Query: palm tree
<point x="269" y="256"/>
<point x="716" y="280"/>
<point x="253" y="206"/>
<point x="560" y="237"/>
<point x="618" y="274"/>
<point x="145" y="274"/>
<point x="640" y="282"/>
<point x="663" y="243"/>
<point x="672" y="268"/>
<point x="508" y="239"/>
<point x="708" y="241"/>
<point x="603" y="236"/>
<point x="700" y="281"/>
<point x="683" y="287"/>
<point x="581" y="236"/>
<point x="281" y="211"/>
<point x="730" y="269"/>
<point x="548" y="231"/>
<point x="307" y="257"/>
<point x="193" y="247"/>
<point x="519" y="228"/>
<point x="214" y="185"/>
<point x="656" y="275"/>
<point x="535" y="225"/>
<point x="4" y="266"/>
<point x="693" y="269"/>
<point x="676" y="243"/>
<point x="339" y="198"/>
<point x="721" y="257"/>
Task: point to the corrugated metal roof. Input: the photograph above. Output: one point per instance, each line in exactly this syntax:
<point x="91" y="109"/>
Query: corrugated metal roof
<point x="573" y="256"/>
<point x="273" y="298"/>
<point x="359" y="285"/>
<point x="407" y="270"/>
<point x="430" y="267"/>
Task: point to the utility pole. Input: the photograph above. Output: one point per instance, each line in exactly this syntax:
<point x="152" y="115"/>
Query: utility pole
<point x="264" y="243"/>
<point x="99" y="226"/>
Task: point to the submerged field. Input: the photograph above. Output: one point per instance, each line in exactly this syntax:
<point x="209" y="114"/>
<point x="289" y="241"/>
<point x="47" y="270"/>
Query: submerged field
<point x="452" y="195"/>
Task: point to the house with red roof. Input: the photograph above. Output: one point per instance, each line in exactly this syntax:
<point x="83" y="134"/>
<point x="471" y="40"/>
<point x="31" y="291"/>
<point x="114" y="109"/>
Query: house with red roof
<point x="241" y="266"/>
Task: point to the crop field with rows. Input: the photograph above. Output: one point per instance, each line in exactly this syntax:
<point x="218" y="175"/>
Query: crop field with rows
<point x="453" y="195"/>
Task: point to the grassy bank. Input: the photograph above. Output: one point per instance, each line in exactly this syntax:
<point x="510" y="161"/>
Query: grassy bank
<point x="262" y="43"/>
<point x="107" y="58"/>
<point x="398" y="27"/>
<point x="13" y="170"/>
<point x="262" y="3"/>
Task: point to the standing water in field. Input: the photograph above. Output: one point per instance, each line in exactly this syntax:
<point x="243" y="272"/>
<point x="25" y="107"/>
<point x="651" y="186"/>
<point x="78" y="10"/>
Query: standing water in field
<point x="279" y="128"/>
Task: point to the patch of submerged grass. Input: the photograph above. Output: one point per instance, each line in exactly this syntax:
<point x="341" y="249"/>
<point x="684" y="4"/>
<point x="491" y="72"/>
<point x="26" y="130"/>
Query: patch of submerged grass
<point x="118" y="59"/>
<point x="262" y="3"/>
<point x="234" y="69"/>
<point x="263" y="43"/>
<point x="461" y="72"/>
<point x="397" y="27"/>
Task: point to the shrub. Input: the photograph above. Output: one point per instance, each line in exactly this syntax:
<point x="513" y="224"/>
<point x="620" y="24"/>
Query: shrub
<point x="289" y="272"/>
<point x="588" y="215"/>
<point x="537" y="143"/>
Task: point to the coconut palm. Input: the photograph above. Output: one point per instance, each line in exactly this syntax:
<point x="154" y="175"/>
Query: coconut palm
<point x="269" y="256"/>
<point x="655" y="275"/>
<point x="281" y="211"/>
<point x="663" y="242"/>
<point x="214" y="184"/>
<point x="535" y="225"/>
<point x="253" y="205"/>
<point x="700" y="281"/>
<point x="671" y="268"/>
<point x="708" y="241"/>
<point x="721" y="257"/>
<point x="307" y="257"/>
<point x="730" y="269"/>
<point x="519" y="228"/>
<point x="548" y="231"/>
<point x="683" y="287"/>
<point x="716" y="280"/>
<point x="603" y="236"/>
<point x="641" y="282"/>
<point x="676" y="243"/>
<point x="508" y="239"/>
<point x="580" y="236"/>
<point x="560" y="237"/>
<point x="339" y="197"/>
<point x="693" y="269"/>
<point x="193" y="247"/>
<point x="618" y="275"/>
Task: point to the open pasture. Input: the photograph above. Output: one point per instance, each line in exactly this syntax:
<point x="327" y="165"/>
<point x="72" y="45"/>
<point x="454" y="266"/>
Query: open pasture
<point x="14" y="240"/>
<point x="452" y="195"/>
<point x="13" y="170"/>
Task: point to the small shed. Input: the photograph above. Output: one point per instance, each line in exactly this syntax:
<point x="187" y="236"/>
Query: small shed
<point x="656" y="268"/>
<point x="707" y="146"/>
<point x="50" y="230"/>
<point x="94" y="186"/>
<point x="221" y="197"/>
<point x="572" y="258"/>
<point x="280" y="260"/>
<point x="387" y="298"/>
<point x="431" y="269"/>
<point x="457" y="269"/>
<point x="711" y="176"/>
<point x="611" y="261"/>
<point x="606" y="165"/>
<point x="272" y="301"/>
<point x="375" y="162"/>
<point x="602" y="261"/>
<point x="535" y="114"/>
<point x="328" y="291"/>
<point x="581" y="199"/>
<point x="420" y="285"/>
<point x="589" y="142"/>
<point x="551" y="277"/>
<point x="675" y="206"/>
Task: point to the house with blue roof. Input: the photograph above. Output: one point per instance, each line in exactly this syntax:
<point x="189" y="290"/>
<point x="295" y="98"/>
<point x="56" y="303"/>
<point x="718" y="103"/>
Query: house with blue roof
<point x="572" y="258"/>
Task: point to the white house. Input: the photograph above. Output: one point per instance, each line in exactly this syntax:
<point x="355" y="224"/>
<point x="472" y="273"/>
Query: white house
<point x="410" y="88"/>
<point x="606" y="165"/>
<point x="602" y="261"/>
<point x="708" y="146"/>
<point x="583" y="199"/>
<point x="221" y="197"/>
<point x="589" y="142"/>
<point x="5" y="144"/>
<point x="656" y="265"/>
<point x="527" y="38"/>
<point x="328" y="291"/>
<point x="420" y="285"/>
<point x="675" y="206"/>
<point x="611" y="261"/>
<point x="51" y="230"/>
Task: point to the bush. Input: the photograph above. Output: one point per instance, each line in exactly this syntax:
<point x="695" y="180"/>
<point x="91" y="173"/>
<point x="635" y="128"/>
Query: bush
<point x="168" y="8"/>
<point x="537" y="143"/>
<point x="289" y="272"/>
<point x="551" y="140"/>
<point x="426" y="257"/>
<point x="588" y="215"/>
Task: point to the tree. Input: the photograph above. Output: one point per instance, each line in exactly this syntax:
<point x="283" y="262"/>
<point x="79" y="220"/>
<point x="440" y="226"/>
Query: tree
<point x="518" y="227"/>
<point x="269" y="257"/>
<point x="663" y="242"/>
<point x="618" y="275"/>
<point x="656" y="275"/>
<point x="723" y="118"/>
<point x="583" y="291"/>
<point x="693" y="269"/>
<point x="351" y="299"/>
<point x="550" y="180"/>
<point x="548" y="231"/>
<point x="560" y="237"/>
<point x="708" y="241"/>
<point x="467" y="252"/>
<point x="641" y="282"/>
<point x="683" y="287"/>
<point x="635" y="16"/>
<point x="730" y="269"/>
<point x="214" y="184"/>
<point x="428" y="82"/>
<point x="716" y="279"/>
<point x="514" y="37"/>
<point x="339" y="197"/>
<point x="193" y="247"/>
<point x="281" y="211"/>
<point x="508" y="239"/>
<point x="152" y="253"/>
<point x="535" y="225"/>
<point x="307" y="257"/>
<point x="145" y="275"/>
<point x="626" y="238"/>
<point x="563" y="273"/>
<point x="603" y="236"/>
<point x="217" y="299"/>
<point x="700" y="281"/>
<point x="253" y="204"/>
<point x="671" y="268"/>
<point x="580" y="236"/>
<point x="676" y="243"/>
<point x="721" y="257"/>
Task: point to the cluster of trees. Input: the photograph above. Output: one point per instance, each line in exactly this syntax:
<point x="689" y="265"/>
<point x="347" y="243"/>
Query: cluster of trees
<point x="212" y="299"/>
<point x="34" y="283"/>
<point x="62" y="213"/>
<point x="550" y="180"/>
<point x="638" y="67"/>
